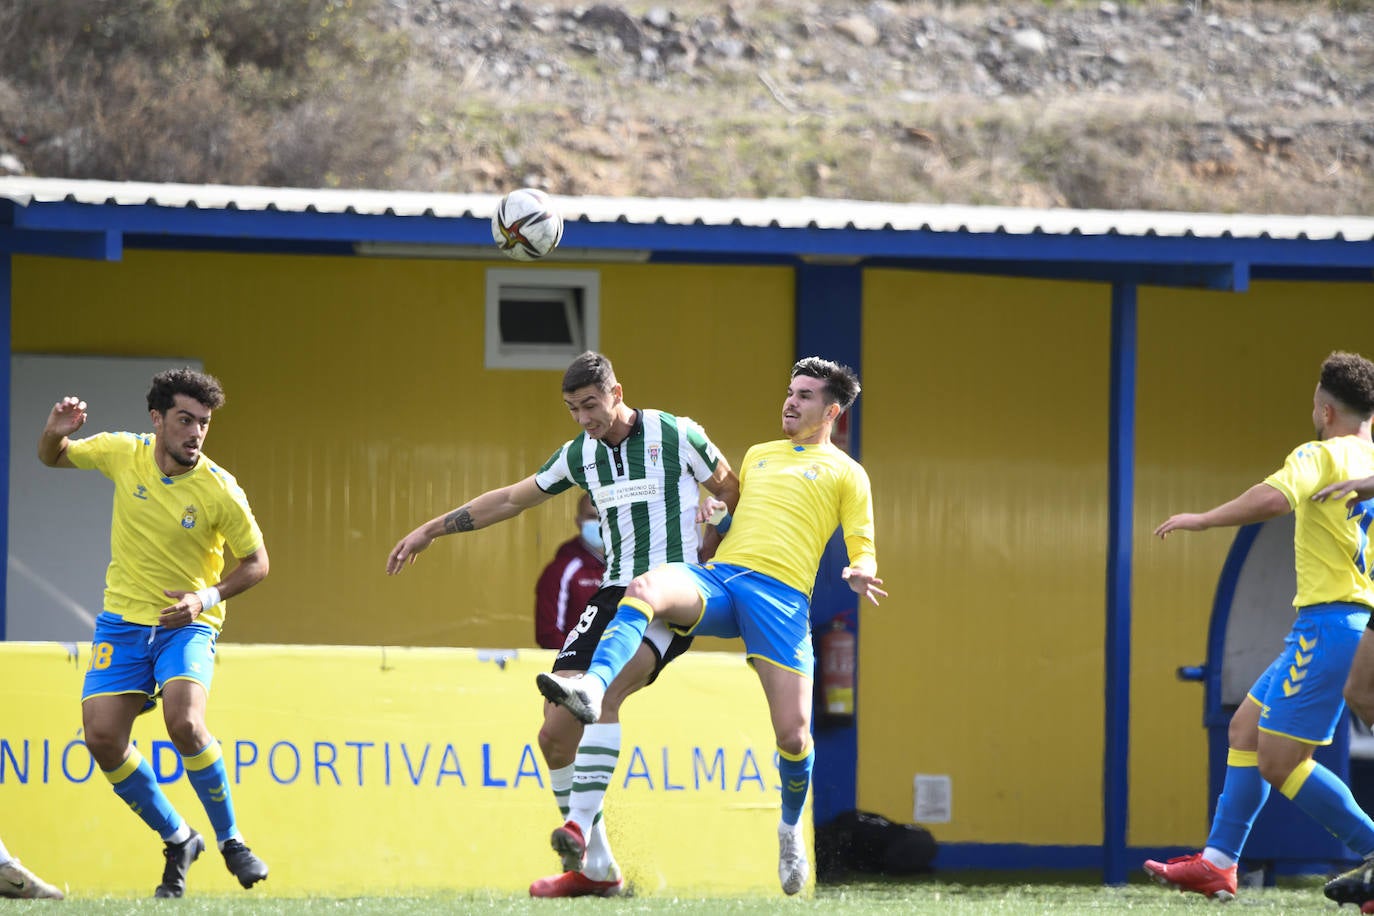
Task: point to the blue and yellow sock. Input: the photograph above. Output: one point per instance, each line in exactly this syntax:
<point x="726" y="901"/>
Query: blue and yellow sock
<point x="133" y="781"/>
<point x="795" y="771"/>
<point x="208" y="777"/>
<point x="621" y="639"/>
<point x="1327" y="800"/>
<point x="1243" y="794"/>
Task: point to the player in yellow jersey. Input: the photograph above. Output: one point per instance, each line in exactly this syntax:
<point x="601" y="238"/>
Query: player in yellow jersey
<point x="175" y="512"/>
<point x="794" y="493"/>
<point x="1294" y="706"/>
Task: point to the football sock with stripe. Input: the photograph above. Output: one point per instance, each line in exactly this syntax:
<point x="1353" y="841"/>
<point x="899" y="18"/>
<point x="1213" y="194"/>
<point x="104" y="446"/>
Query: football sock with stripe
<point x="206" y="772"/>
<point x="795" y="771"/>
<point x="1243" y="794"/>
<point x="133" y="781"/>
<point x="1327" y="800"/>
<point x="596" y="758"/>
<point x="560" y="781"/>
<point x="621" y="639"/>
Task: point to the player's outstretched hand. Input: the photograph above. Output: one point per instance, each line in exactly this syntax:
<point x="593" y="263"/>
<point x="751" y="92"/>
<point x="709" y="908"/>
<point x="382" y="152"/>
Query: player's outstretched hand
<point x="864" y="583"/>
<point x="406" y="550"/>
<point x="68" y="415"/>
<point x="1359" y="491"/>
<point x="1184" y="521"/>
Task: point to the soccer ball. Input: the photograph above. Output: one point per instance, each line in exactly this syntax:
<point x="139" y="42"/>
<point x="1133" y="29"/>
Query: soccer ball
<point x="525" y="225"/>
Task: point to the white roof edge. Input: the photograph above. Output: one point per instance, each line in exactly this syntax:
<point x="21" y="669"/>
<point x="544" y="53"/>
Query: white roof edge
<point x="805" y="212"/>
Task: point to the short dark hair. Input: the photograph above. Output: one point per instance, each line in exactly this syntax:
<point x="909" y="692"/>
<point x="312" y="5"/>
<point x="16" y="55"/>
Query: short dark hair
<point x="841" y="382"/>
<point x="590" y="368"/>
<point x="1349" y="378"/>
<point x="167" y="385"/>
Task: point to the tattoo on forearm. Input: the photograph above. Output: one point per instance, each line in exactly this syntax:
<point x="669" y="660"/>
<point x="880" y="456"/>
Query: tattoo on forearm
<point x="458" y="520"/>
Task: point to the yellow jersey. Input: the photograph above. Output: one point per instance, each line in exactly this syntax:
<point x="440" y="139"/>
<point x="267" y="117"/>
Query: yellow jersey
<point x="167" y="532"/>
<point x="792" y="498"/>
<point x="1330" y="542"/>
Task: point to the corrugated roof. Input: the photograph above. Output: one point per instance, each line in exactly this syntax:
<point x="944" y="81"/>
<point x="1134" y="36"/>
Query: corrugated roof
<point x="773" y="212"/>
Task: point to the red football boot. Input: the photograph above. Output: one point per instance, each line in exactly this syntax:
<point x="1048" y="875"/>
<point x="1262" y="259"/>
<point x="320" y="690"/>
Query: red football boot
<point x="575" y="884"/>
<point x="1196" y="874"/>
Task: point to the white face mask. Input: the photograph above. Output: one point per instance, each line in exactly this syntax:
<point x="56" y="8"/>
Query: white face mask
<point x="591" y="533"/>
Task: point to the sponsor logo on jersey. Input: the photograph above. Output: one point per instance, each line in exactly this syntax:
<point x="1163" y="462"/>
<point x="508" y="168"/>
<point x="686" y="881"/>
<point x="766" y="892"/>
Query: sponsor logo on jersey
<point x="141" y="492"/>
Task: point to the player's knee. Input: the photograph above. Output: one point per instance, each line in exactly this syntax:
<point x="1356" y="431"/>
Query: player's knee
<point x="1274" y="772"/>
<point x="187" y="734"/>
<point x="794" y="742"/>
<point x="642" y="588"/>
<point x="106" y="748"/>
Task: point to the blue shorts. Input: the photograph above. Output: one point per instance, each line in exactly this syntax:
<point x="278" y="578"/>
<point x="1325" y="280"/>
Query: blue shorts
<point x="773" y="618"/>
<point x="1300" y="694"/>
<point x="134" y="658"/>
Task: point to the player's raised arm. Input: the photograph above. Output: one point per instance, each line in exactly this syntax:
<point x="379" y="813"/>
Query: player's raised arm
<point x="723" y="486"/>
<point x="1257" y="504"/>
<point x="491" y="507"/>
<point x="67" y="416"/>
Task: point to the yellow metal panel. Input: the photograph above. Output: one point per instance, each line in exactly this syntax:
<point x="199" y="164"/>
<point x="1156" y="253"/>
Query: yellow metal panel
<point x="428" y="774"/>
<point x="985" y="434"/>
<point x="358" y="407"/>
<point x="1225" y="392"/>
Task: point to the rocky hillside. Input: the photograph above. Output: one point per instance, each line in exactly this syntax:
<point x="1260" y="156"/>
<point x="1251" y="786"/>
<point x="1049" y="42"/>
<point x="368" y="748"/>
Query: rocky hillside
<point x="1259" y="107"/>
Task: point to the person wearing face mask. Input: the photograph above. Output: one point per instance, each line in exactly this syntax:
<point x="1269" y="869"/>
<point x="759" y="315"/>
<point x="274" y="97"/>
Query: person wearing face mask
<point x="573" y="576"/>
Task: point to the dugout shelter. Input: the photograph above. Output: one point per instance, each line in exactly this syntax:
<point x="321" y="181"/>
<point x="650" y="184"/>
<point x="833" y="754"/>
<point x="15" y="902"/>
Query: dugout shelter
<point x="1041" y="387"/>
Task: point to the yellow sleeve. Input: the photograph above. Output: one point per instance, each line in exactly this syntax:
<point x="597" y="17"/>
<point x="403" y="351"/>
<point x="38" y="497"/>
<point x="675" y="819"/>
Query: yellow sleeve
<point x="1304" y="473"/>
<point x="856" y="518"/>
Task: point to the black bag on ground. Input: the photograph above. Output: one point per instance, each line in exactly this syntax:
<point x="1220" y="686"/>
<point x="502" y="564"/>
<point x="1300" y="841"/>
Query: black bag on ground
<point x="859" y="841"/>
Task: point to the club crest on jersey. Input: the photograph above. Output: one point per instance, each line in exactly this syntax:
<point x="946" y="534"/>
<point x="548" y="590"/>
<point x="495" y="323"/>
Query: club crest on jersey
<point x="654" y="451"/>
<point x="188" y="517"/>
<point x="812" y="472"/>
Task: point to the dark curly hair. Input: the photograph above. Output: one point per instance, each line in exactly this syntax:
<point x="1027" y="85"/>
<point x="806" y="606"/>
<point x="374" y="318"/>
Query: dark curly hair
<point x="841" y="382"/>
<point x="167" y="385"/>
<point x="591" y="368"/>
<point x="1349" y="378"/>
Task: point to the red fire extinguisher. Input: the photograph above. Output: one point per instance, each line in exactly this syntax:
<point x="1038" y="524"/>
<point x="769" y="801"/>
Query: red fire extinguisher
<point x="837" y="645"/>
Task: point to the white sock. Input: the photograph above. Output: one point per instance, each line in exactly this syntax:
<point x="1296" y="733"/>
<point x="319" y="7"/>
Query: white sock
<point x="560" y="781"/>
<point x="597" y="754"/>
<point x="236" y="836"/>
<point x="1217" y="857"/>
<point x="5" y="857"/>
<point x="179" y="835"/>
<point x="601" y="864"/>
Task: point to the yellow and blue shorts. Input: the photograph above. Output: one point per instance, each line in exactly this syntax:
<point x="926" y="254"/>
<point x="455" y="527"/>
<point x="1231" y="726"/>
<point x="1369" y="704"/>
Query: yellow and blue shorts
<point x="136" y="658"/>
<point x="1300" y="694"/>
<point x="774" y="619"/>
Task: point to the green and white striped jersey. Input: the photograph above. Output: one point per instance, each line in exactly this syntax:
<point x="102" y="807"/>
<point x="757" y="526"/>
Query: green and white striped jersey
<point x="645" y="490"/>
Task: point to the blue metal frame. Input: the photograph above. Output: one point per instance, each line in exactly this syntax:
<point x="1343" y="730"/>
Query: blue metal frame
<point x="1120" y="516"/>
<point x="829" y="318"/>
<point x="1220" y="262"/>
<point x="6" y="294"/>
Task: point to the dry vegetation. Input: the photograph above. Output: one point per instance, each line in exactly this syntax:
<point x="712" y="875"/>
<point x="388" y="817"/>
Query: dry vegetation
<point x="766" y="98"/>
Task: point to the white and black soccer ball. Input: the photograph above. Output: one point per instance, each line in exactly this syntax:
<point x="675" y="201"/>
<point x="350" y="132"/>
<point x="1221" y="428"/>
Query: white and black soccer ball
<point x="525" y="225"/>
